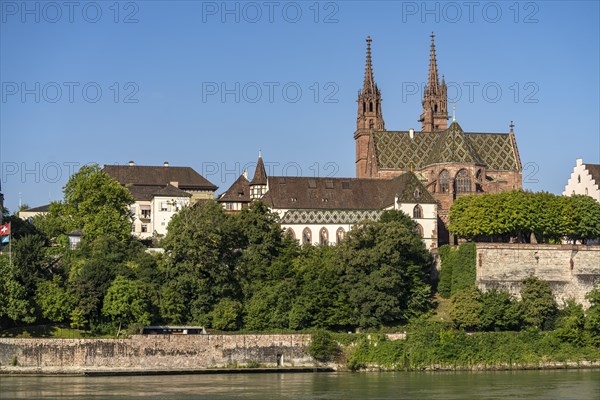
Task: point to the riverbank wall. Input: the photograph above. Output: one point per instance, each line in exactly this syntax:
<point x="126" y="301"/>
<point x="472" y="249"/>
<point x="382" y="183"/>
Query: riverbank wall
<point x="155" y="352"/>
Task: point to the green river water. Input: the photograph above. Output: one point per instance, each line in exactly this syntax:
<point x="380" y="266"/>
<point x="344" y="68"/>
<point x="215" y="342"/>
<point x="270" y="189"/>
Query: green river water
<point x="546" y="385"/>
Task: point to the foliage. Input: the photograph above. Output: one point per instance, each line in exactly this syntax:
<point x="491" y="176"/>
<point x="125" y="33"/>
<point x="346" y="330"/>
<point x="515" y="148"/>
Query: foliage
<point x="538" y="305"/>
<point x="386" y="271"/>
<point x="570" y="323"/>
<point x="323" y="347"/>
<point x="93" y="202"/>
<point x="592" y="320"/>
<point x="126" y="302"/>
<point x="466" y="309"/>
<point x="55" y="301"/>
<point x="519" y="214"/>
<point x="227" y="315"/>
<point x="499" y="311"/>
<point x="15" y="304"/>
<point x="458" y="269"/>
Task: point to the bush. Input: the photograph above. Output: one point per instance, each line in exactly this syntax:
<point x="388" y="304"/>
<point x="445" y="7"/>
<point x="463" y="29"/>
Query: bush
<point x="322" y="347"/>
<point x="227" y="315"/>
<point x="458" y="269"/>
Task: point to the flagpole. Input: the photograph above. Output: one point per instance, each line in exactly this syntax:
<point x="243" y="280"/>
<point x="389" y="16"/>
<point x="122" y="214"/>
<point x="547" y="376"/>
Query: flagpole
<point x="10" y="244"/>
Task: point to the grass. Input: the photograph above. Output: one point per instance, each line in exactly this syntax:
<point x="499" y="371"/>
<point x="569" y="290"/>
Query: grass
<point x="49" y="331"/>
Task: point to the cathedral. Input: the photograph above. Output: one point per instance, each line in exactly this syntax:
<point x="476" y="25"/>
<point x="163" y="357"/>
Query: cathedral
<point x="418" y="172"/>
<point x="448" y="161"/>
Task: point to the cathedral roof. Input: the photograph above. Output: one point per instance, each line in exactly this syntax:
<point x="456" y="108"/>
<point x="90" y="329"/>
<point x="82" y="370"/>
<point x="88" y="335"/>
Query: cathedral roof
<point x="344" y="193"/>
<point x="397" y="151"/>
<point x="239" y="191"/>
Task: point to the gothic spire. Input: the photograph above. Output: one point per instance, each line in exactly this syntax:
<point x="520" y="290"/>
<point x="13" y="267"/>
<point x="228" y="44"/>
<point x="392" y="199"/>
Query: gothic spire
<point x="432" y="83"/>
<point x="369" y="84"/>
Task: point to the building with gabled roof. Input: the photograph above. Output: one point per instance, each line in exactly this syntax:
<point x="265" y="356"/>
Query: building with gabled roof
<point x="159" y="193"/>
<point x="323" y="210"/>
<point x="447" y="160"/>
<point x="585" y="180"/>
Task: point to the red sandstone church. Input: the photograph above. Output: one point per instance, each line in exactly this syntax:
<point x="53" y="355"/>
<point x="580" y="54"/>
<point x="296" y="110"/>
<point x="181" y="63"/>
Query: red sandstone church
<point x="447" y="160"/>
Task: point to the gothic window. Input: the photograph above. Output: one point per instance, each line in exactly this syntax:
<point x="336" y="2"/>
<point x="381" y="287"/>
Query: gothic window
<point x="371" y="124"/>
<point x="444" y="181"/>
<point x="479" y="181"/>
<point x="290" y="233"/>
<point x="371" y="106"/>
<point x="417" y="212"/>
<point x="306" y="236"/>
<point x="364" y="107"/>
<point x="340" y="235"/>
<point x="323" y="237"/>
<point x="435" y="108"/>
<point x="462" y="182"/>
<point x="419" y="230"/>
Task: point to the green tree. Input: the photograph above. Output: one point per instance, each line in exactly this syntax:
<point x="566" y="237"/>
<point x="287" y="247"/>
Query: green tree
<point x="227" y="315"/>
<point x="97" y="204"/>
<point x="582" y="216"/>
<point x="323" y="347"/>
<point x="570" y="323"/>
<point x="29" y="259"/>
<point x="54" y="300"/>
<point x="592" y="315"/>
<point x="126" y="302"/>
<point x="499" y="311"/>
<point x="465" y="310"/>
<point x="537" y="303"/>
<point x="15" y="304"/>
<point x="199" y="267"/>
<point x="386" y="271"/>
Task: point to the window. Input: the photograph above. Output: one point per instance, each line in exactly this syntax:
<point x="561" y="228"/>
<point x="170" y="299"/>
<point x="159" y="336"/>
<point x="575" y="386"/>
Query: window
<point x="164" y="206"/>
<point x="290" y="233"/>
<point x="371" y="124"/>
<point x="306" y="236"/>
<point x="462" y="182"/>
<point x="229" y="206"/>
<point x="339" y="235"/>
<point x="578" y="178"/>
<point x="144" y="228"/>
<point x="323" y="236"/>
<point x="132" y="228"/>
<point x="146" y="214"/>
<point x="444" y="181"/>
<point x="419" y="230"/>
<point x="417" y="212"/>
<point x="371" y="107"/>
<point x="586" y="191"/>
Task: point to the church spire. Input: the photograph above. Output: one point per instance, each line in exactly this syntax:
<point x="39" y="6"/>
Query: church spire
<point x="369" y="83"/>
<point x="369" y="116"/>
<point x="432" y="82"/>
<point x="435" y="98"/>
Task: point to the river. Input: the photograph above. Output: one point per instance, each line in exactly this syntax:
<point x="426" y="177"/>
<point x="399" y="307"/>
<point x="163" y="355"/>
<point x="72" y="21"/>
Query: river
<point x="546" y="385"/>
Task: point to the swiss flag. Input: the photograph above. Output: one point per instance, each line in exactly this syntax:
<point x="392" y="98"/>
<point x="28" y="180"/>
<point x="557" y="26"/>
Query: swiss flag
<point x="5" y="230"/>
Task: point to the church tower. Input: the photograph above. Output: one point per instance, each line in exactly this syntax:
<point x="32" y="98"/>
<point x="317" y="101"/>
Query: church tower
<point x="369" y="116"/>
<point x="435" y="98"/>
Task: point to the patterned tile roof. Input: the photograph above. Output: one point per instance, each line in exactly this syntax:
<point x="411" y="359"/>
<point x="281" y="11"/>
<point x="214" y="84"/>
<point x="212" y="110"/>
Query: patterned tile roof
<point x="349" y="217"/>
<point x="344" y="193"/>
<point x="396" y="150"/>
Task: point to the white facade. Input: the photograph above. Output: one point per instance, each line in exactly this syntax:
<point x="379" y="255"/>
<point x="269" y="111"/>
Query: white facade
<point x="332" y="233"/>
<point x="581" y="181"/>
<point x="154" y="216"/>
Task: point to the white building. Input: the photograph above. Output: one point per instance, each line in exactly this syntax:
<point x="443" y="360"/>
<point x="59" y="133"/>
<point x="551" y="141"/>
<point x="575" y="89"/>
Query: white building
<point x="585" y="179"/>
<point x="159" y="193"/>
<point x="323" y="210"/>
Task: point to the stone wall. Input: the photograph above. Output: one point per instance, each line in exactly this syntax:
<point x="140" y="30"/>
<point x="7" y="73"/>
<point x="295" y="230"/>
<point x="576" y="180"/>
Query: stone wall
<point x="147" y="352"/>
<point x="571" y="270"/>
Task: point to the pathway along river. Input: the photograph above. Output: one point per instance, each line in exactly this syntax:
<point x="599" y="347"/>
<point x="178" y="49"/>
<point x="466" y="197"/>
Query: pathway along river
<point x="546" y="385"/>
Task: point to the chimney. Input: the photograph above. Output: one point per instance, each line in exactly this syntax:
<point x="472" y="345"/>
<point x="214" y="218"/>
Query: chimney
<point x="131" y="163"/>
<point x="166" y="164"/>
<point x="411" y="133"/>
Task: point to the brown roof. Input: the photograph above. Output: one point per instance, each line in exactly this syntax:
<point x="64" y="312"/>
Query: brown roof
<point x="148" y="192"/>
<point x="186" y="177"/>
<point x="239" y="191"/>
<point x="260" y="174"/>
<point x="343" y="193"/>
<point x="594" y="170"/>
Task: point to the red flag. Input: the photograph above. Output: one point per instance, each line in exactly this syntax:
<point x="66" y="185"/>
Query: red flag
<point x="5" y="230"/>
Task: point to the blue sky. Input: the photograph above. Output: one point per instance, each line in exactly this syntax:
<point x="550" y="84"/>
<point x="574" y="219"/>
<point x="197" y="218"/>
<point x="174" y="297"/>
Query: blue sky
<point x="208" y="84"/>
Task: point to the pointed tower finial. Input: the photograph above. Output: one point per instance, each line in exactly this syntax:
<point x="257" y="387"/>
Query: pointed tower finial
<point x="369" y="83"/>
<point x="511" y="126"/>
<point x="435" y="97"/>
<point x="432" y="83"/>
<point x="259" y="153"/>
<point x="454" y="112"/>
